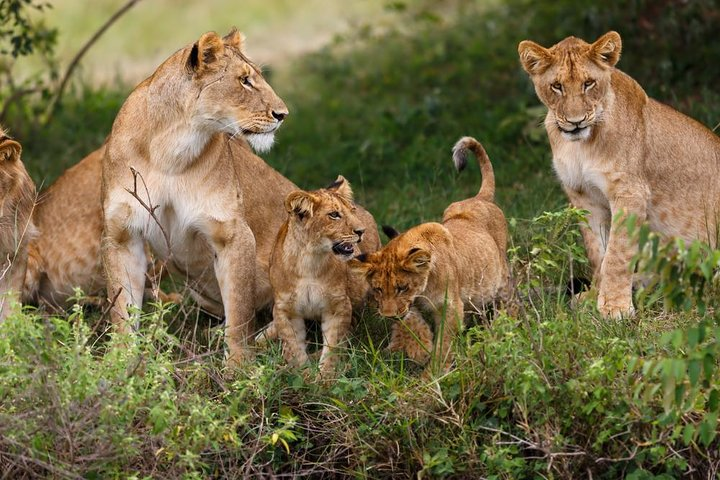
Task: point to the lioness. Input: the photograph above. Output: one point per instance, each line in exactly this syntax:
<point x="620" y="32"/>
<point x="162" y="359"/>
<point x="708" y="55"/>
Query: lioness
<point x="443" y="266"/>
<point x="16" y="228"/>
<point x="619" y="153"/>
<point x="168" y="178"/>
<point x="308" y="270"/>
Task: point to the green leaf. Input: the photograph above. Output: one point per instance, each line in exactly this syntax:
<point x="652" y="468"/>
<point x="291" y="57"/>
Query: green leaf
<point x="688" y="433"/>
<point x="693" y="337"/>
<point x="708" y="428"/>
<point x="694" y="370"/>
<point x="708" y="366"/>
<point x="713" y="400"/>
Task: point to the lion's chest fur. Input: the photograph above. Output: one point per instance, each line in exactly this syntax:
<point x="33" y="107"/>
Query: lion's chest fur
<point x="580" y="168"/>
<point x="184" y="211"/>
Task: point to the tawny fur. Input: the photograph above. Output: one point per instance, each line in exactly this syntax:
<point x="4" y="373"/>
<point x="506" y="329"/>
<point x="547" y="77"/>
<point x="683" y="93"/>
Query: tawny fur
<point x="442" y="267"/>
<point x="173" y="130"/>
<point x="309" y="275"/>
<point x="619" y="153"/>
<point x="17" y="198"/>
<point x="67" y="253"/>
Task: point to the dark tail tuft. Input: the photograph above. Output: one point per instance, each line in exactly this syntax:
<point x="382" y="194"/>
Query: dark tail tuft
<point x="460" y="154"/>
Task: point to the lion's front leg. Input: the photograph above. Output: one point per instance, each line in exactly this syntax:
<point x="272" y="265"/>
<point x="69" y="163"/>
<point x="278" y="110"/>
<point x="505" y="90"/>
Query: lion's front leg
<point x="234" y="248"/>
<point x="290" y="328"/>
<point x="615" y="295"/>
<point x="448" y="322"/>
<point x="12" y="277"/>
<point x="595" y="234"/>
<point x="412" y="335"/>
<point x="125" y="264"/>
<point x="336" y="321"/>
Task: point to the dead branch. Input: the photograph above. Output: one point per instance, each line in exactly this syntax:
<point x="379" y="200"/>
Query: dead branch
<point x="81" y="53"/>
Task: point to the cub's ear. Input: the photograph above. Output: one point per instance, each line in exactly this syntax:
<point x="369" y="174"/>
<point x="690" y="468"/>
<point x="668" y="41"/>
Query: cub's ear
<point x="205" y="53"/>
<point x="390" y="232"/>
<point x="300" y="203"/>
<point x="416" y="261"/>
<point x="9" y="149"/>
<point x="606" y="49"/>
<point x="361" y="266"/>
<point x="534" y="58"/>
<point x="235" y="39"/>
<point x="342" y="188"/>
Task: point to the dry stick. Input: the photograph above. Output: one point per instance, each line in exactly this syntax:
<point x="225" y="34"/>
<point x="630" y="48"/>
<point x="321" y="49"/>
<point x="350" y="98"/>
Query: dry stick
<point x="81" y="53"/>
<point x="151" y="210"/>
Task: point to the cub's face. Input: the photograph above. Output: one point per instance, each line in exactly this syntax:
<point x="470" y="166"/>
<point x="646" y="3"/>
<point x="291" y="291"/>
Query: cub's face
<point x="397" y="275"/>
<point x="231" y="94"/>
<point x="326" y="219"/>
<point x="572" y="79"/>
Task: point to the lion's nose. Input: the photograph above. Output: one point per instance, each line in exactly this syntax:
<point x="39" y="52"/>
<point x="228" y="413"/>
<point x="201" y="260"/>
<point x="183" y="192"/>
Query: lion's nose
<point x="279" y="116"/>
<point x="359" y="233"/>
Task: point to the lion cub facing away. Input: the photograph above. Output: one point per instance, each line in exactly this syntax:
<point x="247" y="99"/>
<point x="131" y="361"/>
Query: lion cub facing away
<point x="17" y="198"/>
<point x="309" y="274"/>
<point x="442" y="266"/>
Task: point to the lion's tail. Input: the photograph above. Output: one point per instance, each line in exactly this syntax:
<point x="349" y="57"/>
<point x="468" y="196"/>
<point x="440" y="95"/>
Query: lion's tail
<point x="460" y="154"/>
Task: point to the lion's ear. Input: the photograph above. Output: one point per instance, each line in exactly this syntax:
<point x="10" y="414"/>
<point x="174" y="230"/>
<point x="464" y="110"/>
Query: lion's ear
<point x="534" y="58"/>
<point x="361" y="266"/>
<point x="300" y="203"/>
<point x="235" y="39"/>
<point x="607" y="48"/>
<point x="417" y="260"/>
<point x="390" y="231"/>
<point x="9" y="149"/>
<point x="205" y="52"/>
<point x="342" y="187"/>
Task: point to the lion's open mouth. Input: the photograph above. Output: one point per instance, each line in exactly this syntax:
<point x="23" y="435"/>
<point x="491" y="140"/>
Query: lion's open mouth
<point x="344" y="249"/>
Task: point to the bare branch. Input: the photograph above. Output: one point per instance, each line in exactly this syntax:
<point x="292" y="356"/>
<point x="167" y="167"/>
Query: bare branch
<point x="81" y="53"/>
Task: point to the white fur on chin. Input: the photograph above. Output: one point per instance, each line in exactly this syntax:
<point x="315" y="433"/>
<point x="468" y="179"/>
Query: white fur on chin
<point x="260" y="142"/>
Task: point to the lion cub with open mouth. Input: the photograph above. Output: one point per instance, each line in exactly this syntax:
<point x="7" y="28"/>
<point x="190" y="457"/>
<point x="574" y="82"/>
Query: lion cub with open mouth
<point x="309" y="274"/>
<point x="441" y="267"/>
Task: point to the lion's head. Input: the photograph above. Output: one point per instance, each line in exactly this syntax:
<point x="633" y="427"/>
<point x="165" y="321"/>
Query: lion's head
<point x="223" y="91"/>
<point x="572" y="79"/>
<point x="325" y="219"/>
<point x="399" y="272"/>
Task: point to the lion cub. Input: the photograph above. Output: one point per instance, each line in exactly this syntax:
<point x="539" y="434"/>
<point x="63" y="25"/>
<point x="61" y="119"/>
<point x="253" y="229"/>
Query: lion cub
<point x="618" y="152"/>
<point x="442" y="266"/>
<point x="18" y="198"/>
<point x="309" y="274"/>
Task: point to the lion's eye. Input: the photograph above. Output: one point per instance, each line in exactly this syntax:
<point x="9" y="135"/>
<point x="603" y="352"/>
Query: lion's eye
<point x="401" y="288"/>
<point x="589" y="84"/>
<point x="556" y="87"/>
<point x="335" y="215"/>
<point x="377" y="290"/>
<point x="245" y="80"/>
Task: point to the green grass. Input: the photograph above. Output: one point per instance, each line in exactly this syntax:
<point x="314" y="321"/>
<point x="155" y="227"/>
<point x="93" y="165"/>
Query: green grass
<point x="552" y="392"/>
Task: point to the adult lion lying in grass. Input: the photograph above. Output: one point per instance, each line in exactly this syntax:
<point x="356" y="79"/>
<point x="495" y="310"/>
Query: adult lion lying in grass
<point x="619" y="153"/>
<point x="442" y="266"/>
<point x="17" y="198"/>
<point x="168" y="179"/>
<point x="309" y="273"/>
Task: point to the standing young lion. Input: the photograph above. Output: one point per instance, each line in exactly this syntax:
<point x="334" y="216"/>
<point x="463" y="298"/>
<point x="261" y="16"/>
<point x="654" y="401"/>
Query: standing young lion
<point x="168" y="178"/>
<point x="17" y="198"/>
<point x="619" y="153"/>
<point x="442" y="266"/>
<point x="308" y="270"/>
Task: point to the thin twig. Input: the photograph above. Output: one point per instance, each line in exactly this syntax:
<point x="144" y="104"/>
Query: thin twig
<point x="81" y="53"/>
